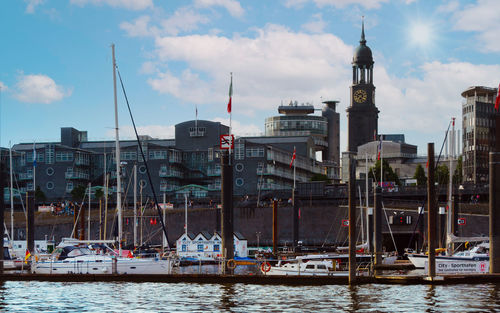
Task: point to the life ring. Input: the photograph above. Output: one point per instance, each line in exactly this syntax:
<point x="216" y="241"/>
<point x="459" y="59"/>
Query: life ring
<point x="231" y="264"/>
<point x="265" y="267"/>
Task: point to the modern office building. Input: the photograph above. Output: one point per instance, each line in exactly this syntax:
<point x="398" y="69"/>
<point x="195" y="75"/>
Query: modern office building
<point x="478" y="129"/>
<point x="190" y="163"/>
<point x="362" y="114"/>
<point x="297" y="120"/>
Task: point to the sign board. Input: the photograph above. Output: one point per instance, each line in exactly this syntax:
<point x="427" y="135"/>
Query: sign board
<point x="460" y="267"/>
<point x="226" y="142"/>
<point x="345" y="223"/>
<point x="461" y="221"/>
<point x="45" y="208"/>
<point x="166" y="205"/>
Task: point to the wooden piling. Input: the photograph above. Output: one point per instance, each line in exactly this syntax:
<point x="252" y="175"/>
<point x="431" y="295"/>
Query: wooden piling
<point x="227" y="230"/>
<point x="494" y="207"/>
<point x="431" y="214"/>
<point x="275" y="227"/>
<point x="352" y="220"/>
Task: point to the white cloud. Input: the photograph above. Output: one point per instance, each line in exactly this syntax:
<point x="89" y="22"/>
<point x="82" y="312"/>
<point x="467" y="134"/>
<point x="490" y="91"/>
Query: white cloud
<point x="155" y="131"/>
<point x="277" y="64"/>
<point x="317" y="25"/>
<point x="240" y="129"/>
<point x="481" y="17"/>
<point x="368" y="4"/>
<point x="449" y="7"/>
<point x="427" y="104"/>
<point x="39" y="89"/>
<point x="3" y="87"/>
<point x="32" y="4"/>
<point x="232" y="6"/>
<point x="126" y="4"/>
<point x="183" y="20"/>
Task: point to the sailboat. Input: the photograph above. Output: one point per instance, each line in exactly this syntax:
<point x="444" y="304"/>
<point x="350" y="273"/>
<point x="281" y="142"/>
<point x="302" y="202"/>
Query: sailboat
<point x="74" y="257"/>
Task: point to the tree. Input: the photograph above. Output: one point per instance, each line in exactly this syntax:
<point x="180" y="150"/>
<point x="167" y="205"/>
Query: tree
<point x="320" y="177"/>
<point x="78" y="193"/>
<point x="99" y="193"/>
<point x="39" y="195"/>
<point x="420" y="176"/>
<point x="442" y="175"/>
<point x="389" y="174"/>
<point x="457" y="175"/>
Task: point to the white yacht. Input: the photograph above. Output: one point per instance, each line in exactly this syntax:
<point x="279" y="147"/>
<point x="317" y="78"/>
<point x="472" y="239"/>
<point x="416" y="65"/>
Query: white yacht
<point x="479" y="253"/>
<point x="71" y="259"/>
<point x="299" y="268"/>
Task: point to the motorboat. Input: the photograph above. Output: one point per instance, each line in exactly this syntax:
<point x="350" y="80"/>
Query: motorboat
<point x="299" y="268"/>
<point x="478" y="253"/>
<point x="79" y="259"/>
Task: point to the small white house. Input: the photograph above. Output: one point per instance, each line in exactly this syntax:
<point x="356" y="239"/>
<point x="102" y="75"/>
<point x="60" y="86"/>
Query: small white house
<point x="207" y="246"/>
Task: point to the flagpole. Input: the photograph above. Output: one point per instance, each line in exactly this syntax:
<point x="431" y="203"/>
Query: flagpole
<point x="381" y="162"/>
<point x="196" y="120"/>
<point x="294" y="167"/>
<point x="230" y="117"/>
<point x="34" y="166"/>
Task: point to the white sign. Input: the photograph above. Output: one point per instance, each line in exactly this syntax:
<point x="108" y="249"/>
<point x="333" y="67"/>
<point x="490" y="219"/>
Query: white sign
<point x="45" y="208"/>
<point x="460" y="267"/>
<point x="166" y="205"/>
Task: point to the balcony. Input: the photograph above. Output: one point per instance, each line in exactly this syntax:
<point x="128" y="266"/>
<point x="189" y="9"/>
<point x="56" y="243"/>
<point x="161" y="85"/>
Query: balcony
<point x="25" y="176"/>
<point x="169" y="173"/>
<point x="76" y="175"/>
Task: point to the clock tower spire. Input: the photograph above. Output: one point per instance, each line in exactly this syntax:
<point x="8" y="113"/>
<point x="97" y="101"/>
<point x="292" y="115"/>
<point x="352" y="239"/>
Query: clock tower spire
<point x="362" y="114"/>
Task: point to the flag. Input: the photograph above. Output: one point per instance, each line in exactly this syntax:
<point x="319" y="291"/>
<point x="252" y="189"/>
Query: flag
<point x="379" y="148"/>
<point x="28" y="255"/>
<point x="374" y="134"/>
<point x="230" y="95"/>
<point x="293" y="157"/>
<point x="497" y="101"/>
<point x="196" y="112"/>
<point x="427" y="164"/>
<point x="130" y="255"/>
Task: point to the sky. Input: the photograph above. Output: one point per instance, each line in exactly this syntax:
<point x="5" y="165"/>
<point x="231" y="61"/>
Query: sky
<point x="177" y="55"/>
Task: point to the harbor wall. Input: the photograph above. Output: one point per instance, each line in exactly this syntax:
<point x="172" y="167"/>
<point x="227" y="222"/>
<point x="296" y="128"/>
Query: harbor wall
<point x="319" y="225"/>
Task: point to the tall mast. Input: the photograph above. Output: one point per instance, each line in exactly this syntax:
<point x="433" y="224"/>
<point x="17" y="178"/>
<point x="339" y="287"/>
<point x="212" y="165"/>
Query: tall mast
<point x="117" y="159"/>
<point x="11" y="197"/>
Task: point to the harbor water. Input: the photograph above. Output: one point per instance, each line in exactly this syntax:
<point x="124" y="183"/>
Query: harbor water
<point x="37" y="296"/>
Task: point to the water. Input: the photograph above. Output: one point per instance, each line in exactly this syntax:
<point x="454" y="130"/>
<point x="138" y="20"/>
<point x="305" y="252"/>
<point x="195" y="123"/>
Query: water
<point x="184" y="297"/>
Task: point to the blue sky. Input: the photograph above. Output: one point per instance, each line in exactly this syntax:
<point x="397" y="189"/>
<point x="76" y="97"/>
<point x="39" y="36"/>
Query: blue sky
<point x="174" y="55"/>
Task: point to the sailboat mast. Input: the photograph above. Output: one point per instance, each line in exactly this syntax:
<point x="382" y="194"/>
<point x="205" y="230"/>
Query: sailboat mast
<point x="117" y="160"/>
<point x="451" y="141"/>
<point x="11" y="196"/>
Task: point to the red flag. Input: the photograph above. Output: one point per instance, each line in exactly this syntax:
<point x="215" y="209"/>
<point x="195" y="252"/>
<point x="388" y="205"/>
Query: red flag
<point x="293" y="157"/>
<point x="427" y="164"/>
<point x="497" y="101"/>
<point x="299" y="212"/>
<point x="379" y="148"/>
<point x="230" y="95"/>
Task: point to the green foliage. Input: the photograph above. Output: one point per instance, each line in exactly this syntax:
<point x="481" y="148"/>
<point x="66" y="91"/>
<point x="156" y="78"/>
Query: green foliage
<point x="420" y="176"/>
<point x="457" y="175"/>
<point x="389" y="174"/>
<point x="99" y="193"/>
<point x="442" y="175"/>
<point x="320" y="177"/>
<point x="39" y="195"/>
<point x="78" y="193"/>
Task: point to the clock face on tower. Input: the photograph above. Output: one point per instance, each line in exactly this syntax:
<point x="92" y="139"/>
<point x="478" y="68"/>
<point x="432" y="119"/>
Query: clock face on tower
<point x="360" y="96"/>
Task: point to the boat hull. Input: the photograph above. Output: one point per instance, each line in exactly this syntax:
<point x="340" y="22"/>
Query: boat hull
<point x="103" y="266"/>
<point x="418" y="260"/>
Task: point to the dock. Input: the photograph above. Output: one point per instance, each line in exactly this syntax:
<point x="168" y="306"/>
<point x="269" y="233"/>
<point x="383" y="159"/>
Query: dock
<point x="255" y="279"/>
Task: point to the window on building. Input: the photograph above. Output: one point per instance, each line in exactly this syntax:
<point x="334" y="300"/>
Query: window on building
<point x="255" y="152"/>
<point x="216" y="248"/>
<point x="158" y="155"/>
<point x="200" y="248"/>
<point x="210" y="155"/>
<point x="64" y="156"/>
<point x="239" y="150"/>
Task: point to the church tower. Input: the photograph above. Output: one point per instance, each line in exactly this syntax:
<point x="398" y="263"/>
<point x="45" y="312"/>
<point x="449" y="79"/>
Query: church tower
<point x="362" y="114"/>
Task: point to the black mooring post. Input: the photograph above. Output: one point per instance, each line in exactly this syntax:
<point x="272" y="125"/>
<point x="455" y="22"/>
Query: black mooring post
<point x="227" y="230"/>
<point x="275" y="228"/>
<point x="295" y="216"/>
<point x="352" y="219"/>
<point x="494" y="207"/>
<point x="431" y="214"/>
<point x="30" y="223"/>
<point x="377" y="227"/>
<point x="2" y="209"/>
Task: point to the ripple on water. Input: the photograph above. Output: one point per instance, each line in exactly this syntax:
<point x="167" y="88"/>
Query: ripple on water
<point x="183" y="297"/>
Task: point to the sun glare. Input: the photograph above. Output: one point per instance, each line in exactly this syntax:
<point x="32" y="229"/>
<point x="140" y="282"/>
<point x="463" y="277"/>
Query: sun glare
<point x="421" y="34"/>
